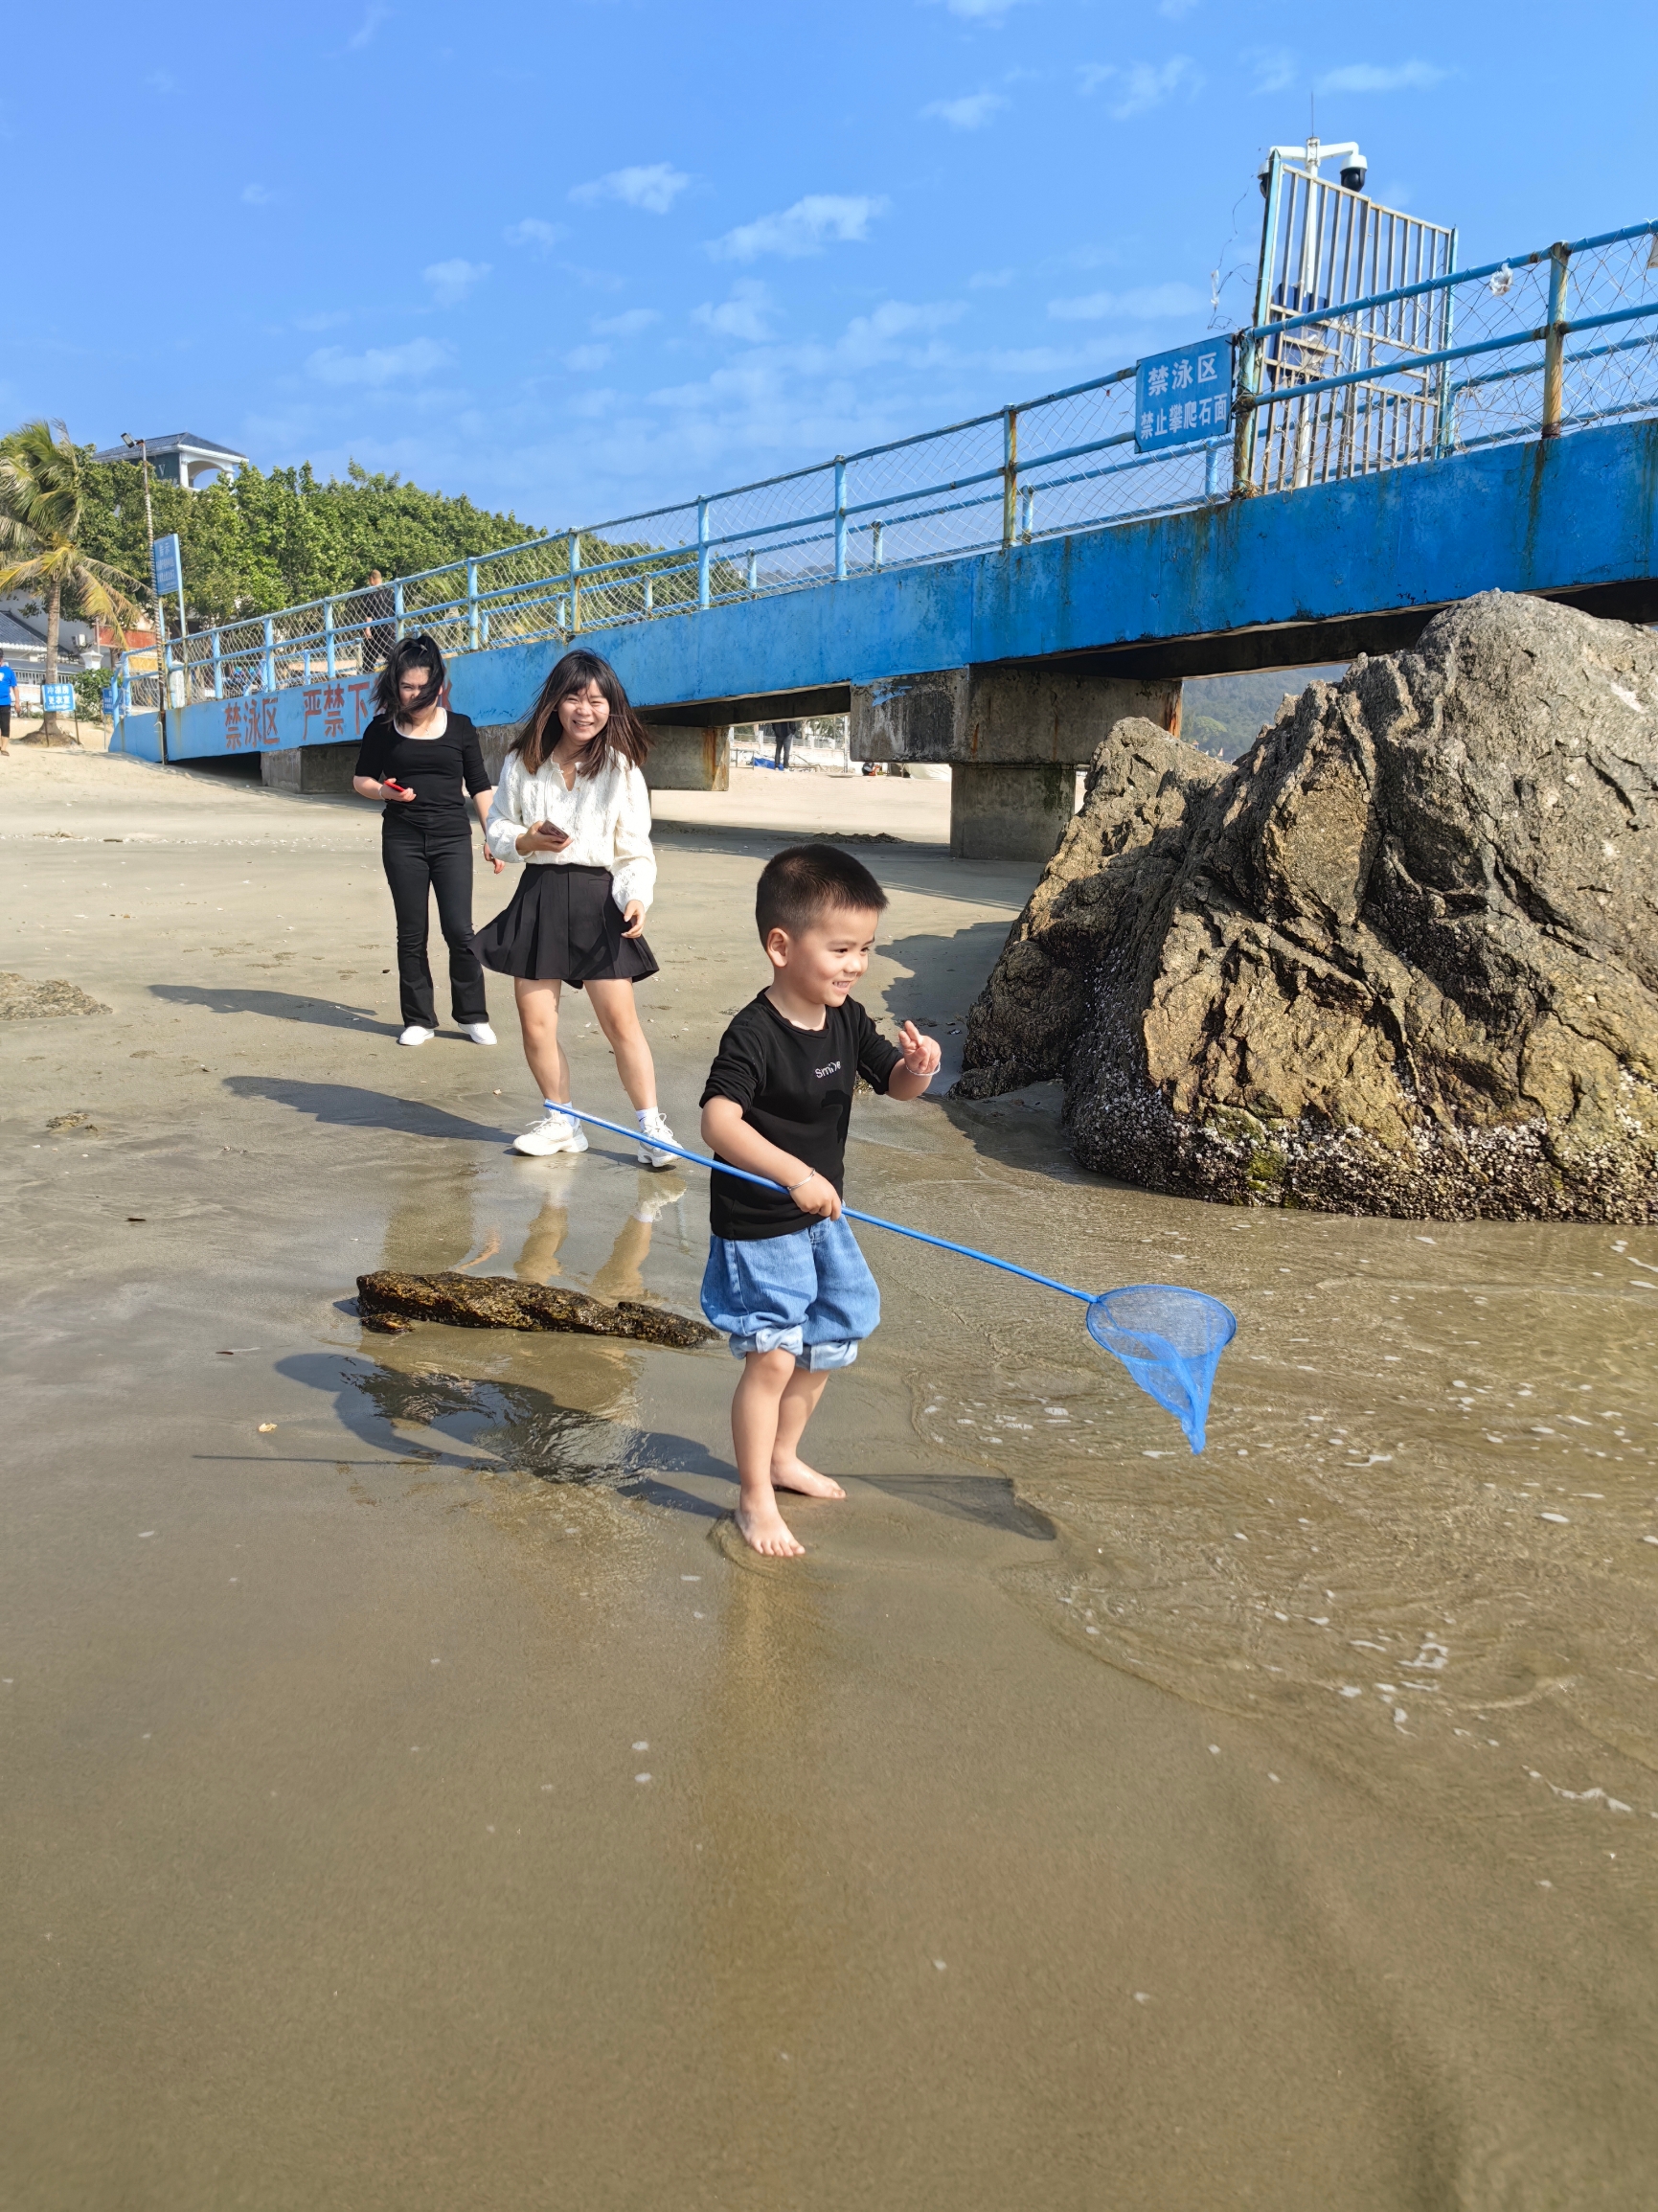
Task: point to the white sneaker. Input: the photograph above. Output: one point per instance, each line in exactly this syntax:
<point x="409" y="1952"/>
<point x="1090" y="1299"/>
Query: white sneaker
<point x="653" y="1123"/>
<point x="481" y="1033"/>
<point x="556" y="1132"/>
<point x="415" y="1034"/>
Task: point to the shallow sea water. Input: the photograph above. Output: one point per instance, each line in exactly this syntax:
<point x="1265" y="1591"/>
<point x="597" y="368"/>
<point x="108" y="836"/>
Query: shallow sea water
<point x="416" y="1797"/>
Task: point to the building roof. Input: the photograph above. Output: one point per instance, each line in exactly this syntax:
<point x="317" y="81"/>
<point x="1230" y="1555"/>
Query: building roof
<point x="175" y="442"/>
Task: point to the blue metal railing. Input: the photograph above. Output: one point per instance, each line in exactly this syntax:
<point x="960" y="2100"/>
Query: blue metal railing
<point x="1346" y="389"/>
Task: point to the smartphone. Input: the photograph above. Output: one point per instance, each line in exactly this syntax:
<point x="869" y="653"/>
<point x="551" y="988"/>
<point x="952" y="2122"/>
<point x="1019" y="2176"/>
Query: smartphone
<point x="391" y="783"/>
<point x="552" y="830"/>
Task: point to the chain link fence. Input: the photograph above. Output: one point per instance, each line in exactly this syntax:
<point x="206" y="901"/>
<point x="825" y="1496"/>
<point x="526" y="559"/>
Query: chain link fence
<point x="1534" y="346"/>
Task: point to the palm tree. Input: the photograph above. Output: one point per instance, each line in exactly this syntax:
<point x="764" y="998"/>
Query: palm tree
<point x="43" y="496"/>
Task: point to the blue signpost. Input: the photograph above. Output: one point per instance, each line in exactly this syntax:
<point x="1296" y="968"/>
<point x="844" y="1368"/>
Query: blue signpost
<point x="57" y="699"/>
<point x="1183" y="397"/>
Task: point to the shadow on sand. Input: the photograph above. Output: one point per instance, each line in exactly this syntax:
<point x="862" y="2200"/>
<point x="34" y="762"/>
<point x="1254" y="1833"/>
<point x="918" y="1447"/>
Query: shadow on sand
<point x="275" y="1006"/>
<point x="467" y="1422"/>
<point x="348" y="1105"/>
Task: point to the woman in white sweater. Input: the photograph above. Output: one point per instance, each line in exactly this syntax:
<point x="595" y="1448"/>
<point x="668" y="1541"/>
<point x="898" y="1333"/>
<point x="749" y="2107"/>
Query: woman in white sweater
<point x="572" y="804"/>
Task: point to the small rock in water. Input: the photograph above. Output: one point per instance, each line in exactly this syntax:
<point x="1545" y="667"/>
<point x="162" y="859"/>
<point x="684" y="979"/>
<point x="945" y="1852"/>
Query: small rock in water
<point x="389" y="1302"/>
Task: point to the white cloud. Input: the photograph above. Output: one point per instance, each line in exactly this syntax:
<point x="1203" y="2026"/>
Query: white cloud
<point x="257" y="195"/>
<point x="379" y="365"/>
<point x="871" y="338"/>
<point x="1151" y="303"/>
<point x="747" y="315"/>
<point x="370" y="24"/>
<point x="1272" y="68"/>
<point x="822" y="218"/>
<point x="991" y="279"/>
<point x="534" y="232"/>
<point x="655" y="189"/>
<point x="1374" y="76"/>
<point x="329" y="320"/>
<point x="584" y="357"/>
<point x="452" y="281"/>
<point x="628" y="325"/>
<point x="1174" y="10"/>
<point x="979" y="11"/>
<point x="1142" y="85"/>
<point x="968" y="113"/>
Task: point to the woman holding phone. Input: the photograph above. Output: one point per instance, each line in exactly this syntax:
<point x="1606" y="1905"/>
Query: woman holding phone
<point x="573" y="806"/>
<point x="416" y="754"/>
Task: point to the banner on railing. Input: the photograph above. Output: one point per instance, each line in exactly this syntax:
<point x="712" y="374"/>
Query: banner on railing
<point x="1183" y="397"/>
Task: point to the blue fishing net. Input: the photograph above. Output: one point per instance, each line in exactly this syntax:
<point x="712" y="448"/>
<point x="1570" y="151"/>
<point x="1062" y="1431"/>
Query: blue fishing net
<point x="1171" y="1341"/>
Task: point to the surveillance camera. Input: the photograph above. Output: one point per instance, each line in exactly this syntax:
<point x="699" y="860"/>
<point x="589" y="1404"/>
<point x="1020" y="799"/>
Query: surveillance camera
<point x="1353" y="179"/>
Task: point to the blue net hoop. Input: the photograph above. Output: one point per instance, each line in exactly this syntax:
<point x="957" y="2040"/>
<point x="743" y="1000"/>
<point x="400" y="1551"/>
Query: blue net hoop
<point x="1171" y="1341"/>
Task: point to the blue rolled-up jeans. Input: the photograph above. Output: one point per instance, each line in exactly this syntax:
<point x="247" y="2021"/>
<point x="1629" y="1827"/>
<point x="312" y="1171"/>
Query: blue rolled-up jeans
<point x="811" y="1294"/>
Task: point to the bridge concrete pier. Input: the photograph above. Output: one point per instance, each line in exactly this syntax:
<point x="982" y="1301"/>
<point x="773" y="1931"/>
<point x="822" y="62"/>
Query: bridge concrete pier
<point x="309" y="769"/>
<point x="689" y="759"/>
<point x="1013" y="737"/>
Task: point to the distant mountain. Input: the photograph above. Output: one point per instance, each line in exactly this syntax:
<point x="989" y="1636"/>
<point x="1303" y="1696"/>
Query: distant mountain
<point x="1225" y="714"/>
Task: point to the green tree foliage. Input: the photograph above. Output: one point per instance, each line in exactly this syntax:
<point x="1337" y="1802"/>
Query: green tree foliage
<point x="264" y="541"/>
<point x="47" y="542"/>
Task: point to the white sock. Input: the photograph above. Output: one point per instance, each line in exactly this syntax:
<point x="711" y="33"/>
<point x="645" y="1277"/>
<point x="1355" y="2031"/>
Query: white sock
<point x="553" y="1107"/>
<point x="643" y="1115"/>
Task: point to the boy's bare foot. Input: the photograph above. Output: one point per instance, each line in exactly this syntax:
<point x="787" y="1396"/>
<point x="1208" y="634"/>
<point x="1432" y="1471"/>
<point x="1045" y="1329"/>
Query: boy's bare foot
<point x="764" y="1529"/>
<point x="793" y="1474"/>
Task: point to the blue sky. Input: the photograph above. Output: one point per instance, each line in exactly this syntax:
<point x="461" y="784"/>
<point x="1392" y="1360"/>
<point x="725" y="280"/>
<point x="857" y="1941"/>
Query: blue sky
<point x="585" y="258"/>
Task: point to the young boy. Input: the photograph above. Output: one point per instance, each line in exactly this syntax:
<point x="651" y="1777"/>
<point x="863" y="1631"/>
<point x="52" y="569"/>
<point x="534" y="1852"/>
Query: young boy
<point x="785" y="1279"/>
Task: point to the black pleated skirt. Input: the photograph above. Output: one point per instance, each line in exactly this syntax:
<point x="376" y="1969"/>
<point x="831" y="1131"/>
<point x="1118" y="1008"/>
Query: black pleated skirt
<point x="562" y="925"/>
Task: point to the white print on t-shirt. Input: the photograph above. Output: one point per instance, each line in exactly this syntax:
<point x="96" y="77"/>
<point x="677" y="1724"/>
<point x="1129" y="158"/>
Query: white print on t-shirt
<point x="833" y="1068"/>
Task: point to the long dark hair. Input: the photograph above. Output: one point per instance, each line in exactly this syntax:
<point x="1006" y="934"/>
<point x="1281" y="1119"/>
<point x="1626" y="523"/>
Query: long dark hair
<point x="623" y="736"/>
<point x="410" y="653"/>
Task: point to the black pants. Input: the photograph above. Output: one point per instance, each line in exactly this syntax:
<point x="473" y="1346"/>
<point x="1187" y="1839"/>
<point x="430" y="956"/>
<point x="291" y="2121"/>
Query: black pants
<point x="417" y="863"/>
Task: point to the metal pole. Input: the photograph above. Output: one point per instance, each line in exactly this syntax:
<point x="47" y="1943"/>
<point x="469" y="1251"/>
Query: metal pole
<point x="472" y="604"/>
<point x="1249" y="352"/>
<point x="398" y="609"/>
<point x="1243" y="414"/>
<point x="1010" y="476"/>
<point x="840" y="519"/>
<point x="1445" y="414"/>
<point x="328" y="635"/>
<point x="267" y="670"/>
<point x="876" y="532"/>
<point x="702" y="553"/>
<point x="217" y="665"/>
<point x="573" y="563"/>
<point x="1555" y="343"/>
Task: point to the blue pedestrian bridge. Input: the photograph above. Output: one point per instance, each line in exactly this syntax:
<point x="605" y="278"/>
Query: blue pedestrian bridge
<point x="991" y="594"/>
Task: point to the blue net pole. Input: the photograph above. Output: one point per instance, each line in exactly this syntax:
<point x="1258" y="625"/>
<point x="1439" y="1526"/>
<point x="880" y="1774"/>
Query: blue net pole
<point x="1170" y="1339"/>
<point x="874" y="1221"/>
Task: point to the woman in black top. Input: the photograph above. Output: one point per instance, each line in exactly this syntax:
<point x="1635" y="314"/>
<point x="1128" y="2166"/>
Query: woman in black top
<point x="416" y="754"/>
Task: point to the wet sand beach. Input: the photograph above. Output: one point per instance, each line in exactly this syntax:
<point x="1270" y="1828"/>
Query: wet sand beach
<point x="415" y="1795"/>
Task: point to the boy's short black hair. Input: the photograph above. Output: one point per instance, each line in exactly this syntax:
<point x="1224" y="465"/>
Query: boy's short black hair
<point x="799" y="886"/>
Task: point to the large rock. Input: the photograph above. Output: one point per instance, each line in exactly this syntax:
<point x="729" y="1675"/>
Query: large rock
<point x="1402" y="959"/>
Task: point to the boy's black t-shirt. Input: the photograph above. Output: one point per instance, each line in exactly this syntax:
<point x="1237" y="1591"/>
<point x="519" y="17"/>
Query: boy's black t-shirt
<point x="795" y="1087"/>
<point x="433" y="768"/>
